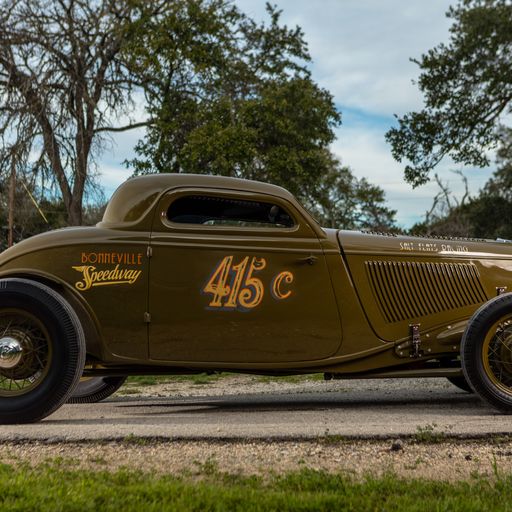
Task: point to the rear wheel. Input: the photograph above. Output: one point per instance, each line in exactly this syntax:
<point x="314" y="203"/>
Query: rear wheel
<point x="486" y="352"/>
<point x="42" y="351"/>
<point x="94" y="389"/>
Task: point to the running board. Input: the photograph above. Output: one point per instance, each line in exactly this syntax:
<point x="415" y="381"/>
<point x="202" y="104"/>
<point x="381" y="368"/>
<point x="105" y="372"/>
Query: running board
<point x="426" y="372"/>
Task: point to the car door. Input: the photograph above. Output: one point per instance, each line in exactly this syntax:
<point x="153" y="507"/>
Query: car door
<point x="238" y="277"/>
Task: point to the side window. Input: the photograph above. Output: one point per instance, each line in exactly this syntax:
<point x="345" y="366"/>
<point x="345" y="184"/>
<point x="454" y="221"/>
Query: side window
<point x="223" y="211"/>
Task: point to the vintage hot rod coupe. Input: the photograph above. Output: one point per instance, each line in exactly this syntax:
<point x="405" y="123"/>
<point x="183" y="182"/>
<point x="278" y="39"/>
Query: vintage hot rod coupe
<point x="190" y="273"/>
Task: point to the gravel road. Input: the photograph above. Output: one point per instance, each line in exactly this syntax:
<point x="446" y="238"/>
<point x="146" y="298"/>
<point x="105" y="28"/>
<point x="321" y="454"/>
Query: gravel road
<point x="241" y="408"/>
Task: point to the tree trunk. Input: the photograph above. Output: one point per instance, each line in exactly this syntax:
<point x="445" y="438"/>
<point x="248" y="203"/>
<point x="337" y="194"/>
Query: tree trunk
<point x="12" y="190"/>
<point x="75" y="212"/>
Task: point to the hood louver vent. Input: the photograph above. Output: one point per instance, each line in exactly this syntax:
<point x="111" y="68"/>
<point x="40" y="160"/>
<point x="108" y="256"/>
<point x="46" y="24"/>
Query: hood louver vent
<point x="378" y="233"/>
<point x="409" y="290"/>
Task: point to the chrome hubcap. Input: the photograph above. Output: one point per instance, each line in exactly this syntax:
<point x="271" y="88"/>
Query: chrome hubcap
<point x="25" y="352"/>
<point x="11" y="352"/>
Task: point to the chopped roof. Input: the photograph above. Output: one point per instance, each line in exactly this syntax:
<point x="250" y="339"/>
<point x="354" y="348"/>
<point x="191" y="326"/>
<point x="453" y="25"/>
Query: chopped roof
<point x="136" y="195"/>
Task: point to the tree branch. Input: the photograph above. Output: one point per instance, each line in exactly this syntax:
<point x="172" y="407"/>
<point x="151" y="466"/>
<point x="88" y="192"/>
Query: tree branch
<point x="125" y="128"/>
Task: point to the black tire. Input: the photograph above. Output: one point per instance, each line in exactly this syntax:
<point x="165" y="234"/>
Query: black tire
<point x="42" y="351"/>
<point x="461" y="383"/>
<point x="486" y="352"/>
<point x="95" y="389"/>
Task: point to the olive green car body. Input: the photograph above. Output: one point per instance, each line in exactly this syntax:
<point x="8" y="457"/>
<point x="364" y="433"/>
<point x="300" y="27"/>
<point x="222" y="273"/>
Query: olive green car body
<point x="155" y="296"/>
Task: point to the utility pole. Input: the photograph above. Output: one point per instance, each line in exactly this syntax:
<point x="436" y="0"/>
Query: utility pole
<point x="12" y="190"/>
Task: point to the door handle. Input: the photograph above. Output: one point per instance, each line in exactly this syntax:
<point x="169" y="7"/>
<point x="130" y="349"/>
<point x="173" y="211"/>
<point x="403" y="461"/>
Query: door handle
<point x="310" y="260"/>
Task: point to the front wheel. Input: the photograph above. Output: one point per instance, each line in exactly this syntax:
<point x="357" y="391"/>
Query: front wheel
<point x="94" y="389"/>
<point x="486" y="352"/>
<point x="42" y="351"/>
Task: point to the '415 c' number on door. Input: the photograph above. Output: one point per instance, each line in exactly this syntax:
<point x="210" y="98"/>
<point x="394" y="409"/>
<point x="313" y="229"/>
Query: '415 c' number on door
<point x="235" y="286"/>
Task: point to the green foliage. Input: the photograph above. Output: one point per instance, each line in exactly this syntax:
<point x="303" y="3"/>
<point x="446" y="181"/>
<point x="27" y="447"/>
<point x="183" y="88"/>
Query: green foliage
<point x="467" y="88"/>
<point x="428" y="434"/>
<point x="28" y="220"/>
<point x="291" y="379"/>
<point x="279" y="136"/>
<point x="195" y="378"/>
<point x="231" y="97"/>
<point x="55" y="487"/>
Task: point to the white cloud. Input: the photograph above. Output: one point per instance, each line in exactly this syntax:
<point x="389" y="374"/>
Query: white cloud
<point x="111" y="167"/>
<point x="365" y="151"/>
<point x="112" y="176"/>
<point x="361" y="48"/>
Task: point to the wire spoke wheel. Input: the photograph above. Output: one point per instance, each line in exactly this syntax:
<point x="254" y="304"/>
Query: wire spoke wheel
<point x="25" y="352"/>
<point x="486" y="352"/>
<point x="497" y="354"/>
<point x="42" y="350"/>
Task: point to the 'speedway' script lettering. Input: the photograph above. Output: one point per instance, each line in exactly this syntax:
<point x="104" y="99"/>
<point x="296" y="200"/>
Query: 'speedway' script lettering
<point x="92" y="277"/>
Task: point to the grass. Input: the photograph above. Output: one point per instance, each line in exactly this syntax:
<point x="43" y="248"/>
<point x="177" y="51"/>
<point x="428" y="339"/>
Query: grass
<point x="292" y="379"/>
<point x="428" y="434"/>
<point x="52" y="488"/>
<point x="205" y="379"/>
<point x="197" y="379"/>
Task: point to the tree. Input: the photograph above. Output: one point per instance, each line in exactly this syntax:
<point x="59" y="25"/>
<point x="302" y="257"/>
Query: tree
<point x="344" y="201"/>
<point x="490" y="212"/>
<point x="36" y="212"/>
<point x="61" y="84"/>
<point x="32" y="215"/>
<point x="486" y="215"/>
<point x="447" y="215"/>
<point x="467" y="88"/>
<point x="239" y="103"/>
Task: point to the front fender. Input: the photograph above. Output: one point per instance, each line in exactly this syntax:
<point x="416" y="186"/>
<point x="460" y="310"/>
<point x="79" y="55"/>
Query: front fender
<point x="85" y="314"/>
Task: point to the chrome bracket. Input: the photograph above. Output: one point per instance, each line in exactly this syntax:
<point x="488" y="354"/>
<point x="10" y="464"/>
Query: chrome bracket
<point x="416" y="340"/>
<point x="411" y="347"/>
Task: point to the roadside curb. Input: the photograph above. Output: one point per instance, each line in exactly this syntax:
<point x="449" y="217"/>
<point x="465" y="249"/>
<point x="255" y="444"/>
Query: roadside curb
<point x="440" y="438"/>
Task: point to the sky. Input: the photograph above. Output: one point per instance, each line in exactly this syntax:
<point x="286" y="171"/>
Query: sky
<point x="361" y="52"/>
